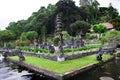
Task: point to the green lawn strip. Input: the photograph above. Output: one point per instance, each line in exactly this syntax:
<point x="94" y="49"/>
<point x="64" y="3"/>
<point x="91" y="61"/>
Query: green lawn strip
<point x="61" y="67"/>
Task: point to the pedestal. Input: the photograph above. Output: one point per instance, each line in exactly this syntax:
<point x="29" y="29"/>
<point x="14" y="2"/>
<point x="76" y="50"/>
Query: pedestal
<point x="60" y="59"/>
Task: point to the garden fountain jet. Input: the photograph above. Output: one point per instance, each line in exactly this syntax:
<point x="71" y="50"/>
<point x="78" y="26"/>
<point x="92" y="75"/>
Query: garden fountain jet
<point x="59" y="33"/>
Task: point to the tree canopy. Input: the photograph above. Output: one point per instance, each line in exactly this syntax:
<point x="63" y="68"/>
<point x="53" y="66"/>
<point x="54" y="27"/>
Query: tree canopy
<point x="43" y="21"/>
<point x="6" y="35"/>
<point x="31" y="35"/>
<point x="43" y="17"/>
<point x="70" y="13"/>
<point x="116" y="23"/>
<point x="80" y="26"/>
<point x="112" y="38"/>
<point x="99" y="28"/>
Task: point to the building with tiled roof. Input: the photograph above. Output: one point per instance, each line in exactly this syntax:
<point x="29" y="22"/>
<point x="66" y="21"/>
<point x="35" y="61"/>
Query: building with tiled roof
<point x="108" y="25"/>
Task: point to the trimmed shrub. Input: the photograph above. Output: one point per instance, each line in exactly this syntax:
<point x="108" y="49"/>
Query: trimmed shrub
<point x="56" y="40"/>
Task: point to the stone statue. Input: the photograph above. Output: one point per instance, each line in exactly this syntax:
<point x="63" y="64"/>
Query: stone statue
<point x="5" y="52"/>
<point x="20" y="55"/>
<point x="99" y="54"/>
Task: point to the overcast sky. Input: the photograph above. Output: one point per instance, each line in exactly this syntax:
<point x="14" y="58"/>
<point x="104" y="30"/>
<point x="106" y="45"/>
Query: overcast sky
<point x="14" y="10"/>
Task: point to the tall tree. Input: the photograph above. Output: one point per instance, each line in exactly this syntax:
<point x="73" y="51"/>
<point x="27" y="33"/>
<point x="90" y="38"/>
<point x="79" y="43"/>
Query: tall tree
<point x="112" y="11"/>
<point x="108" y="13"/>
<point x="66" y="37"/>
<point x="17" y="27"/>
<point x="92" y="8"/>
<point x="80" y="27"/>
<point x="43" y="17"/>
<point x="99" y="28"/>
<point x="32" y="35"/>
<point x="6" y="36"/>
<point x="68" y="10"/>
<point x="112" y="38"/>
<point x="116" y="23"/>
<point x="43" y="33"/>
<point x="85" y="2"/>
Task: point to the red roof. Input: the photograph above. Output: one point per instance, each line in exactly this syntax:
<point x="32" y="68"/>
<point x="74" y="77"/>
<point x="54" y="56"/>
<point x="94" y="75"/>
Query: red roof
<point x="108" y="25"/>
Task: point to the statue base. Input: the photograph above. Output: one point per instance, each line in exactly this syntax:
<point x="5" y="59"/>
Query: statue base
<point x="60" y="59"/>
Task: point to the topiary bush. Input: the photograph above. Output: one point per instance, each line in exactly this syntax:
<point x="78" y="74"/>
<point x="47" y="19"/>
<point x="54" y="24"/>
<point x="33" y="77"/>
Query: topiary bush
<point x="56" y="40"/>
<point x="89" y="36"/>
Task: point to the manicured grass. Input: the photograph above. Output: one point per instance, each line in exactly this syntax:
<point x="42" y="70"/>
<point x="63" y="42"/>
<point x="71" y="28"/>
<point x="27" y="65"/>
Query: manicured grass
<point x="61" y="67"/>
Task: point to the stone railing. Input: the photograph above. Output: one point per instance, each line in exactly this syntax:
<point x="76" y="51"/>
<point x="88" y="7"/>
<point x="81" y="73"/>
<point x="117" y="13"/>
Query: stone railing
<point x="67" y="57"/>
<point x="54" y="57"/>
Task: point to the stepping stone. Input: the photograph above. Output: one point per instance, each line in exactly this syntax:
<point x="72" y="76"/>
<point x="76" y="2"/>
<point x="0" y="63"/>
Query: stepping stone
<point x="106" y="78"/>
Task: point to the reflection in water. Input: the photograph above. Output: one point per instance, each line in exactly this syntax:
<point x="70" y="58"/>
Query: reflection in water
<point x="9" y="71"/>
<point x="110" y="69"/>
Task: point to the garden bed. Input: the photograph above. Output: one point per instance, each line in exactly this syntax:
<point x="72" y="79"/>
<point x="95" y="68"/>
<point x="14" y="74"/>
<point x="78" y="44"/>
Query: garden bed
<point x="67" y="56"/>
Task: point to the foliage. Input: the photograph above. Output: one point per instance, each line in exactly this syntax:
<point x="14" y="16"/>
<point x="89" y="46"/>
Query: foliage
<point x="99" y="28"/>
<point x="43" y="17"/>
<point x="36" y="49"/>
<point x="17" y="27"/>
<point x="49" y="39"/>
<point x="104" y="18"/>
<point x="92" y="9"/>
<point x="32" y="49"/>
<point x="22" y="43"/>
<point x="116" y="23"/>
<point x="98" y="14"/>
<point x="32" y="35"/>
<point x="6" y="35"/>
<point x="43" y="33"/>
<point x="70" y="13"/>
<point x="85" y="2"/>
<point x="1" y="44"/>
<point x="11" y="44"/>
<point x="112" y="12"/>
<point x="80" y="26"/>
<point x="56" y="40"/>
<point x="26" y="38"/>
<point x="90" y="36"/>
<point x="108" y="13"/>
<point x="23" y="36"/>
<point x="82" y="48"/>
<point x="112" y="38"/>
<point x="66" y="36"/>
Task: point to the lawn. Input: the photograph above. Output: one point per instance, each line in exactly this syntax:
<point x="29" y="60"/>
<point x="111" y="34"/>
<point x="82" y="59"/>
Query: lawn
<point x="61" y="67"/>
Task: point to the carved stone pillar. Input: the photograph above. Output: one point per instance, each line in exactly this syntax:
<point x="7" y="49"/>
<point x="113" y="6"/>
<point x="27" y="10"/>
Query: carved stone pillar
<point x="59" y="33"/>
